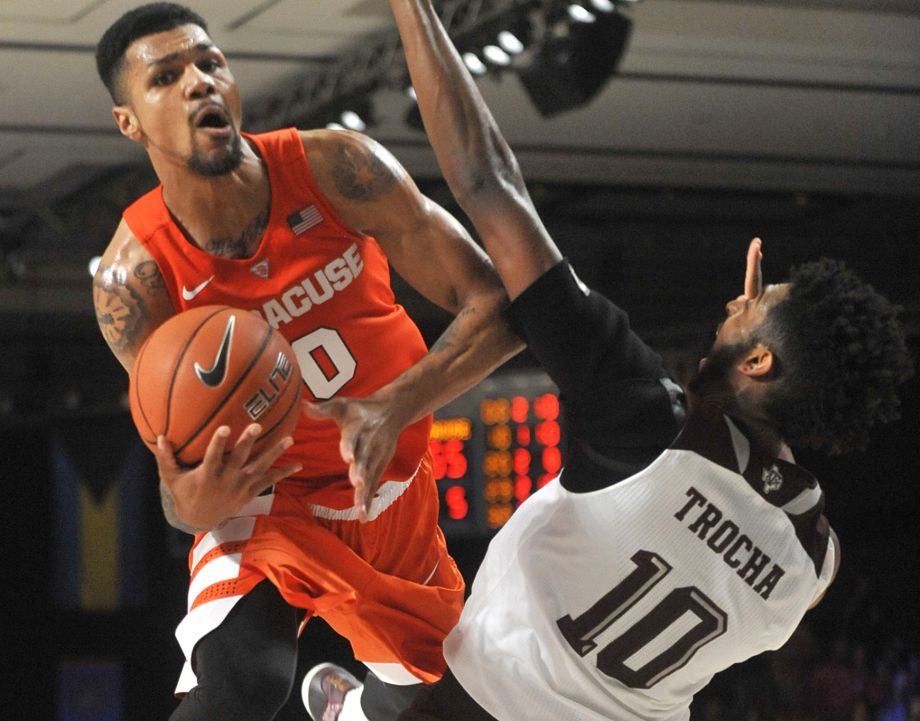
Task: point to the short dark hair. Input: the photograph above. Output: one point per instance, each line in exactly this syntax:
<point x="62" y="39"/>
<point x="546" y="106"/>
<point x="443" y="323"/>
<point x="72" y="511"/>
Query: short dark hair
<point x="841" y="355"/>
<point x="137" y="23"/>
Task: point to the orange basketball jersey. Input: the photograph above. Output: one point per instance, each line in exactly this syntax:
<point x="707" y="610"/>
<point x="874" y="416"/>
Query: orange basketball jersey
<point x="324" y="286"/>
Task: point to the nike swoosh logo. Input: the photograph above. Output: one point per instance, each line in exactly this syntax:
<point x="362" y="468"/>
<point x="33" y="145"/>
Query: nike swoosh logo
<point x="190" y="294"/>
<point x="214" y="375"/>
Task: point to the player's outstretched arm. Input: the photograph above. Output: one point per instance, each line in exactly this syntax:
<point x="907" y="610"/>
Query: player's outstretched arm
<point x="131" y="301"/>
<point x="477" y="163"/>
<point x="373" y="194"/>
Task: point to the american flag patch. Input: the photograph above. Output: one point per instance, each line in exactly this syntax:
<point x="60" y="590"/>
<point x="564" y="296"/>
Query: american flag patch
<point x="307" y="218"/>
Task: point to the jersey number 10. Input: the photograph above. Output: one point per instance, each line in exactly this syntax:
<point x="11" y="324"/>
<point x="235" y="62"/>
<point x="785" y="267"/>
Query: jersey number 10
<point x="581" y="632"/>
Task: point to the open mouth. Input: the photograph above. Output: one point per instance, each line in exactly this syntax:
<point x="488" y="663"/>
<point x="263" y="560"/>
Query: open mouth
<point x="212" y="118"/>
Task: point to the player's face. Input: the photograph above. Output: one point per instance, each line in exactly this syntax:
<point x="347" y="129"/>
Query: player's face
<point x="734" y="337"/>
<point x="744" y="315"/>
<point x="183" y="102"/>
<point x="748" y="311"/>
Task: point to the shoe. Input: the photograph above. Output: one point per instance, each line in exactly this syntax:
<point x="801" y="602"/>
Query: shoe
<point x="323" y="691"/>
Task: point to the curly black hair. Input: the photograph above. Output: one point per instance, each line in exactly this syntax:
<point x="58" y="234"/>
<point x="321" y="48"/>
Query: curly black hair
<point x="841" y="355"/>
<point x="137" y="23"/>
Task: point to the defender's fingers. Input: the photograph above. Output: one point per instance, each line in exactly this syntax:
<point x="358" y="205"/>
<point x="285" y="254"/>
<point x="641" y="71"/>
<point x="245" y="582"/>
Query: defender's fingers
<point x="365" y="491"/>
<point x="369" y="495"/>
<point x="357" y="472"/>
<point x="364" y="505"/>
<point x="317" y="411"/>
<point x="347" y="449"/>
<point x="753" y="276"/>
<point x="351" y="448"/>
<point x="359" y="500"/>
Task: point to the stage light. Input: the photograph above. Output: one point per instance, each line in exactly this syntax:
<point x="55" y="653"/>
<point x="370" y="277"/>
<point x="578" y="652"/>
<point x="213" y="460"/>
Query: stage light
<point x="353" y="121"/>
<point x="581" y="14"/>
<point x="474" y="64"/>
<point x="496" y="55"/>
<point x="355" y="113"/>
<point x="570" y="69"/>
<point x="604" y="6"/>
<point x="510" y="42"/>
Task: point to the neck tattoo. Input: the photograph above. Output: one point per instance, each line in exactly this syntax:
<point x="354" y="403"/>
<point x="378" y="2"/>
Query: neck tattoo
<point x="242" y="246"/>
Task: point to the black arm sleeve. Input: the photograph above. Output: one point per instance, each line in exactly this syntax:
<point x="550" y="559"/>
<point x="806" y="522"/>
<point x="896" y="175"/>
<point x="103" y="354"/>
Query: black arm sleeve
<point x="621" y="410"/>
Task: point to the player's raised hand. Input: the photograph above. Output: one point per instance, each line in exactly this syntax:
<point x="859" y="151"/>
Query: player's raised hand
<point x="368" y="442"/>
<point x="753" y="275"/>
<point x="224" y="482"/>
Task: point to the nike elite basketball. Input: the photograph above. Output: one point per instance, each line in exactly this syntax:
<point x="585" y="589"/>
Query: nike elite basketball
<point x="209" y="367"/>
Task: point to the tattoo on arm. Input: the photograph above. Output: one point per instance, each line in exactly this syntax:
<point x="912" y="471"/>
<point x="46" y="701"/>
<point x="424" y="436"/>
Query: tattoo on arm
<point x="149" y="274"/>
<point x="169" y="510"/>
<point x="361" y="175"/>
<point x="120" y="312"/>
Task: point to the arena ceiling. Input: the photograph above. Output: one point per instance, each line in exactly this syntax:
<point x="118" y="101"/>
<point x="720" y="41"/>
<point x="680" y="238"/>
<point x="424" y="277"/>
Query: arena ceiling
<point x="797" y="96"/>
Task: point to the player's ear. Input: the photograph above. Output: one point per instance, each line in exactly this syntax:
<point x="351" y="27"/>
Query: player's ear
<point x="127" y="123"/>
<point x="757" y="362"/>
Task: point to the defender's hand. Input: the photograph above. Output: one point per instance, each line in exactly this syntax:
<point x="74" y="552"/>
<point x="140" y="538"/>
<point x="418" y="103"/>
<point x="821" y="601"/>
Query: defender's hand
<point x="223" y="482"/>
<point x="753" y="276"/>
<point x="368" y="442"/>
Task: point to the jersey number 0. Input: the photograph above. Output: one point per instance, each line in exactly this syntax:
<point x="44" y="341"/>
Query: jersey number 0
<point x="674" y="644"/>
<point x="327" y="341"/>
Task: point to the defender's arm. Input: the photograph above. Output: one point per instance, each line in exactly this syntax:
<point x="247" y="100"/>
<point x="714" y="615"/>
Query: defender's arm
<point x="428" y="247"/>
<point x="477" y="163"/>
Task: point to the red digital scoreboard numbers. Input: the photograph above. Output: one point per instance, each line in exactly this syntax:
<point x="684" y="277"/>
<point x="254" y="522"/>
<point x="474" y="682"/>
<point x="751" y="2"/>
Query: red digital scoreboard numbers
<point x="493" y="448"/>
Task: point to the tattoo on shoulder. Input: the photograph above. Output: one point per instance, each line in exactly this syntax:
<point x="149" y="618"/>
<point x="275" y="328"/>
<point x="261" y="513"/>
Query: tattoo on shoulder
<point x="149" y="274"/>
<point x="361" y="176"/>
<point x="120" y="311"/>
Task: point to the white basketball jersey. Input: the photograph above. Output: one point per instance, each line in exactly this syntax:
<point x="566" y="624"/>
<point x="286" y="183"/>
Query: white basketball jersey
<point x="622" y="603"/>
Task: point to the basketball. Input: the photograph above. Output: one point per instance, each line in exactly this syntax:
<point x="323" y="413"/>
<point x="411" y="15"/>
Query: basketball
<point x="209" y="367"/>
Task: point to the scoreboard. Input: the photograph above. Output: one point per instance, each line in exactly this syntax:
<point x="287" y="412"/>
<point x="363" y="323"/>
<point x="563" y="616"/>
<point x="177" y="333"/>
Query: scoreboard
<point x="492" y="448"/>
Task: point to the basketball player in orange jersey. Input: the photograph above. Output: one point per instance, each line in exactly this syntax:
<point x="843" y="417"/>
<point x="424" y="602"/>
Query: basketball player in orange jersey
<point x="298" y="227"/>
<point x="680" y="537"/>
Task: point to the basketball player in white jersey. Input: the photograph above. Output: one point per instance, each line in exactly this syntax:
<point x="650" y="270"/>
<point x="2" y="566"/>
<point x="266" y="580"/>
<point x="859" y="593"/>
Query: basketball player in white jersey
<point x="681" y="537"/>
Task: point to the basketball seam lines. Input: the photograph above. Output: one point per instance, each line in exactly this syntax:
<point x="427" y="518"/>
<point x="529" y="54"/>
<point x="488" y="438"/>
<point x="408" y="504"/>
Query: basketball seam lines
<point x="175" y="372"/>
<point x="240" y="378"/>
<point x="137" y="395"/>
<point x="279" y="421"/>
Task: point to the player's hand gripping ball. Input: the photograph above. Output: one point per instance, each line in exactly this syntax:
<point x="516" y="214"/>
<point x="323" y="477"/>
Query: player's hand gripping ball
<point x="209" y="367"/>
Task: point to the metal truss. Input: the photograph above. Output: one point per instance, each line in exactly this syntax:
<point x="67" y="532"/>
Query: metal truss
<point x="376" y="62"/>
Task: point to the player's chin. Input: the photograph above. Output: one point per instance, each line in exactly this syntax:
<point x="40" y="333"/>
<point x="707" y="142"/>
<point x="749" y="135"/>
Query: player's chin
<point x="212" y="162"/>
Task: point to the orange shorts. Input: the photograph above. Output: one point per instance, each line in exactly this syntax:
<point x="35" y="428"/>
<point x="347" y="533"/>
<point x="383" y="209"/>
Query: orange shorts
<point x="388" y="586"/>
